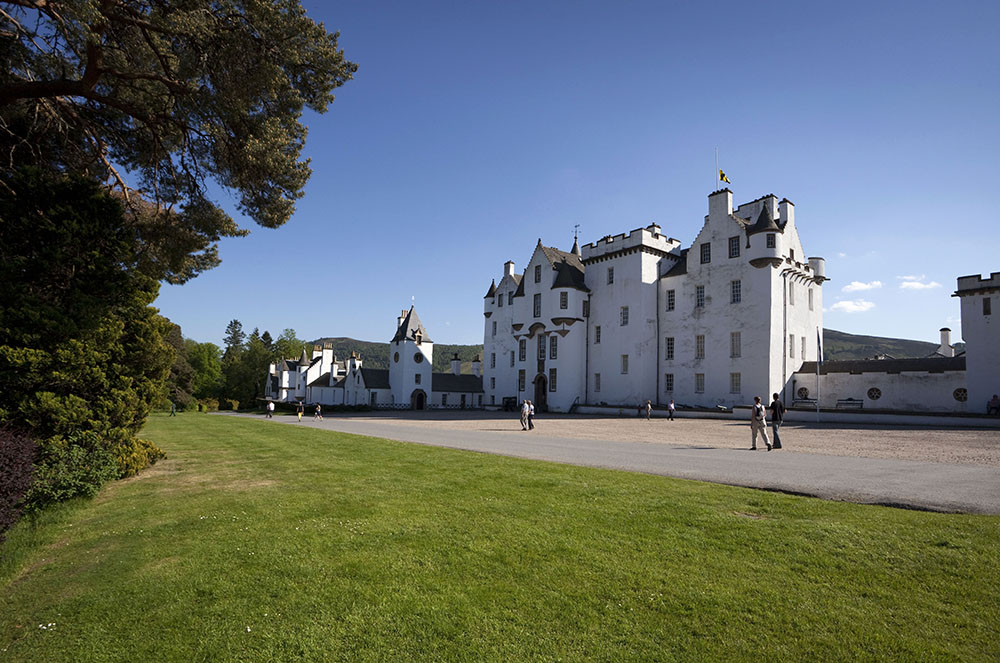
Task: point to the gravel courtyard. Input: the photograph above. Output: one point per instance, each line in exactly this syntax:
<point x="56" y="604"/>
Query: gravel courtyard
<point x="938" y="445"/>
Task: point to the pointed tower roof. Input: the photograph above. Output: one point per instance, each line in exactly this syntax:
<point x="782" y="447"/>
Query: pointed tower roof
<point x="765" y="222"/>
<point x="576" y="249"/>
<point x="492" y="291"/>
<point x="411" y="328"/>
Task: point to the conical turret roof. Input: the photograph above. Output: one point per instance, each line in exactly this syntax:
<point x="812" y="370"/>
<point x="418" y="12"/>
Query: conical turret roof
<point x="411" y="328"/>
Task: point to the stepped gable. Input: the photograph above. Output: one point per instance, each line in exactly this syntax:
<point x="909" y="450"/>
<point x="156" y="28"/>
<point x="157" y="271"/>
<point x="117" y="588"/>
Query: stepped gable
<point x="411" y="328"/>
<point x="450" y="383"/>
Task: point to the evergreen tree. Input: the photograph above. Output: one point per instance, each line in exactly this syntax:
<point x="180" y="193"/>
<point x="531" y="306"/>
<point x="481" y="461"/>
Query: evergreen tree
<point x="234" y="338"/>
<point x="206" y="360"/>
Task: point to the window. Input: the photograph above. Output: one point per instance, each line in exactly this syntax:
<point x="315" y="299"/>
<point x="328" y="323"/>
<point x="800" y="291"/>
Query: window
<point x="791" y="294"/>
<point x="734" y="247"/>
<point x="586" y="308"/>
<point x="522" y="349"/>
<point x="699" y="346"/>
<point x="493" y="383"/>
<point x="493" y="399"/>
<point x="563" y="300"/>
<point x="671" y="300"/>
<point x="597" y="334"/>
<point x="961" y="395"/>
<point x="541" y="347"/>
<point x="668" y="382"/>
<point x="520" y="380"/>
<point x="810" y="299"/>
<point x="494" y="327"/>
<point x="735" y="292"/>
<point x="510" y="298"/>
<point x="987" y="306"/>
<point x="552" y="379"/>
<point x="669" y="351"/>
<point x="791" y="345"/>
<point x="803" y="355"/>
<point x="416" y="378"/>
<point x="770" y="240"/>
<point x="699" y="383"/>
<point x="512" y="359"/>
<point x="706" y="253"/>
<point x="734" y="383"/>
<point x="553" y="347"/>
<point x="538" y="305"/>
<point x="735" y="344"/>
<point x="597" y="383"/>
<point x="624" y="316"/>
<point x="874" y="393"/>
<point x="624" y="364"/>
<point x="611" y="275"/>
<point x="444" y="399"/>
<point x="699" y="296"/>
<point x="538" y="273"/>
<point x="791" y="254"/>
<point x="493" y="360"/>
<point x="500" y="300"/>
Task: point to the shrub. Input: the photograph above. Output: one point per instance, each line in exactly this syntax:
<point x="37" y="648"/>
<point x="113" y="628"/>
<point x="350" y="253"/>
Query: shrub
<point x="136" y="455"/>
<point x="228" y="404"/>
<point x="17" y="457"/>
<point x="208" y="404"/>
<point x="76" y="466"/>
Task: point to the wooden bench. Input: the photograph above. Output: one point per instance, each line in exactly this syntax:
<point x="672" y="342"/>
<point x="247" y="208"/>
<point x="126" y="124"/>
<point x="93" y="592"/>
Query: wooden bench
<point x="850" y="404"/>
<point x="804" y="402"/>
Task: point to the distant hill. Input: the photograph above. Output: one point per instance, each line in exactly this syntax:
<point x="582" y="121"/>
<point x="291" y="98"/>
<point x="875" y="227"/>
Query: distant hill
<point x="376" y="355"/>
<point x="841" y="345"/>
<point x="836" y="345"/>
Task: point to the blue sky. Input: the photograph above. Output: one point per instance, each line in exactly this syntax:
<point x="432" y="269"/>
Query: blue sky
<point x="472" y="129"/>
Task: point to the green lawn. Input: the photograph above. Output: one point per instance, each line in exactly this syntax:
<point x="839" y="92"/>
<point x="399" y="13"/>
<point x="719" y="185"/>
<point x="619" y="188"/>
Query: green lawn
<point x="263" y="542"/>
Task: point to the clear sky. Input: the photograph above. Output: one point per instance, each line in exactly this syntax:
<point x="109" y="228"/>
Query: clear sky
<point x="473" y="129"/>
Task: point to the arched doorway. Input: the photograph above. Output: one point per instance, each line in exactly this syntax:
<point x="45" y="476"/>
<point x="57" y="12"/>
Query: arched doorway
<point x="418" y="399"/>
<point x="541" y="393"/>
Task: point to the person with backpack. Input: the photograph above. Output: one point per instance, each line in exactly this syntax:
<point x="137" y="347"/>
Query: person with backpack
<point x="777" y="416"/>
<point x="758" y="423"/>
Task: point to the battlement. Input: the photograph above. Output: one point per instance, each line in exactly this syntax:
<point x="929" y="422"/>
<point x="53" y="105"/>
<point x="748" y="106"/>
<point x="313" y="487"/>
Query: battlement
<point x="649" y="236"/>
<point x="974" y="284"/>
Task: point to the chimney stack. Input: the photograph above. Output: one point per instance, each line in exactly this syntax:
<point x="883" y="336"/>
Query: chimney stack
<point x="477" y="367"/>
<point x="946" y="349"/>
<point x="456" y="365"/>
<point x="508" y="268"/>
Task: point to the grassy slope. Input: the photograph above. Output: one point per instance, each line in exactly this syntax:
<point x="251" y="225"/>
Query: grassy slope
<point x="256" y="542"/>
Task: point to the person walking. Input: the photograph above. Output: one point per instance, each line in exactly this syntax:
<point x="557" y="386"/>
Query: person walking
<point x="299" y="409"/>
<point x="524" y="415"/>
<point x="670" y="409"/>
<point x="777" y="409"/>
<point x="318" y="414"/>
<point x="649" y="409"/>
<point x="270" y="409"/>
<point x="758" y="422"/>
<point x="531" y="416"/>
<point x="173" y="409"/>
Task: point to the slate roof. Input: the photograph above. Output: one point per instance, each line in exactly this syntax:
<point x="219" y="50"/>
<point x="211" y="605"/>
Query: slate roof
<point x="569" y="269"/>
<point x="921" y="364"/>
<point x="765" y="223"/>
<point x="410" y="328"/>
<point x="375" y="378"/>
<point x="680" y="267"/>
<point x="321" y="381"/>
<point x="449" y="382"/>
<point x="288" y="365"/>
<point x="492" y="291"/>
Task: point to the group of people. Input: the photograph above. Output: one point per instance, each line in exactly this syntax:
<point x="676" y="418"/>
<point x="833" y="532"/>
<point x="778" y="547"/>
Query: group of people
<point x="527" y="415"/>
<point x="671" y="408"/>
<point x="758" y="421"/>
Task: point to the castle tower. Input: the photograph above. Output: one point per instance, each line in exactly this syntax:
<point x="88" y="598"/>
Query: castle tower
<point x="411" y="355"/>
<point x="981" y="333"/>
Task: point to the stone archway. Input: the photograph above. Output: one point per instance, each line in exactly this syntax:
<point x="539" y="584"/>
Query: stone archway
<point x="418" y="399"/>
<point x="541" y="393"/>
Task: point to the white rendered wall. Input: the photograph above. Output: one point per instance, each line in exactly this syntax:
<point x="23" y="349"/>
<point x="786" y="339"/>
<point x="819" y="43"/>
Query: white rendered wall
<point x="981" y="334"/>
<point x="917" y="391"/>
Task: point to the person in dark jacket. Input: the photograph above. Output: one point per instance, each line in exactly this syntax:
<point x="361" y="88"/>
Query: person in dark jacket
<point x="777" y="409"/>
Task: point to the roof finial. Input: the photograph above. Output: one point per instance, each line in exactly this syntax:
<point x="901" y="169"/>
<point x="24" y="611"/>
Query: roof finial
<point x="576" y="245"/>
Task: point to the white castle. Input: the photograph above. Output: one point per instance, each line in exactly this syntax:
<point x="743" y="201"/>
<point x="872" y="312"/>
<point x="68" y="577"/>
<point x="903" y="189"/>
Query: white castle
<point x="637" y="317"/>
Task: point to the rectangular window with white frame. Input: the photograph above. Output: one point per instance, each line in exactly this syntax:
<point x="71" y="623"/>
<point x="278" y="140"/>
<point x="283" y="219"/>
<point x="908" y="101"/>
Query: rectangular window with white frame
<point x="522" y="349"/>
<point x="493" y="383"/>
<point x="735" y="344"/>
<point x="541" y="347"/>
<point x="791" y="345"/>
<point x="512" y="359"/>
<point x="494" y="328"/>
<point x="552" y="379"/>
<point x="520" y="380"/>
<point x="706" y="253"/>
<point x="624" y="364"/>
<point x="554" y="348"/>
<point x="803" y="355"/>
<point x="699" y="383"/>
<point x="597" y="334"/>
<point x="699" y="296"/>
<point x="669" y="348"/>
<point x="538" y="273"/>
<point x="791" y="294"/>
<point x="735" y="292"/>
<point x="493" y="360"/>
<point x="624" y="316"/>
<point x="735" y="386"/>
<point x="810" y="299"/>
<point x="510" y="298"/>
<point x="770" y="240"/>
<point x="734" y="247"/>
<point x="563" y="300"/>
<point x="668" y="382"/>
<point x="611" y="275"/>
<point x="699" y="346"/>
<point x="597" y="383"/>
<point x="537" y="305"/>
<point x="671" y="299"/>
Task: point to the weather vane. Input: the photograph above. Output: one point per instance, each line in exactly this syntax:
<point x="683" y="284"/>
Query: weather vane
<point x="576" y="231"/>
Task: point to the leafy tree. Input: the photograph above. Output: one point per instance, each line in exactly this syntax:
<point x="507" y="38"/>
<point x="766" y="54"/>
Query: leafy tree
<point x="206" y="360"/>
<point x="82" y="356"/>
<point x="168" y="95"/>
<point x="289" y="346"/>
<point x="180" y="382"/>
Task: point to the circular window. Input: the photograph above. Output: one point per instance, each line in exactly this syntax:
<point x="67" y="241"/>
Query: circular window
<point x="874" y="393"/>
<point x="417" y="357"/>
<point x="802" y="392"/>
<point x="395" y="358"/>
<point x="961" y="395"/>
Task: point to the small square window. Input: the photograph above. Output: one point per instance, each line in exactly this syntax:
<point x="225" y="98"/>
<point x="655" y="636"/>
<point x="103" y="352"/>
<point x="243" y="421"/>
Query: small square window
<point x="770" y="240"/>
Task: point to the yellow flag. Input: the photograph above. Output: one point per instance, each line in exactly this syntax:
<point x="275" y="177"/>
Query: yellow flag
<point x="723" y="178"/>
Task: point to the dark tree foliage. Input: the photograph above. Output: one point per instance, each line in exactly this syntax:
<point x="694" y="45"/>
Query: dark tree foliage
<point x="180" y="382"/>
<point x="17" y="459"/>
<point x="82" y="354"/>
<point x="156" y="98"/>
<point x="234" y="338"/>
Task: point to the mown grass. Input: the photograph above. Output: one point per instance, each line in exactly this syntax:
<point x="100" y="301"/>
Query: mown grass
<point x="263" y="542"/>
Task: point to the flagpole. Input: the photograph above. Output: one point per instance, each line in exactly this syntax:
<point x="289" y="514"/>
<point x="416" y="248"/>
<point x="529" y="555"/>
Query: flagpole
<point x="717" y="180"/>
<point x="819" y="360"/>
